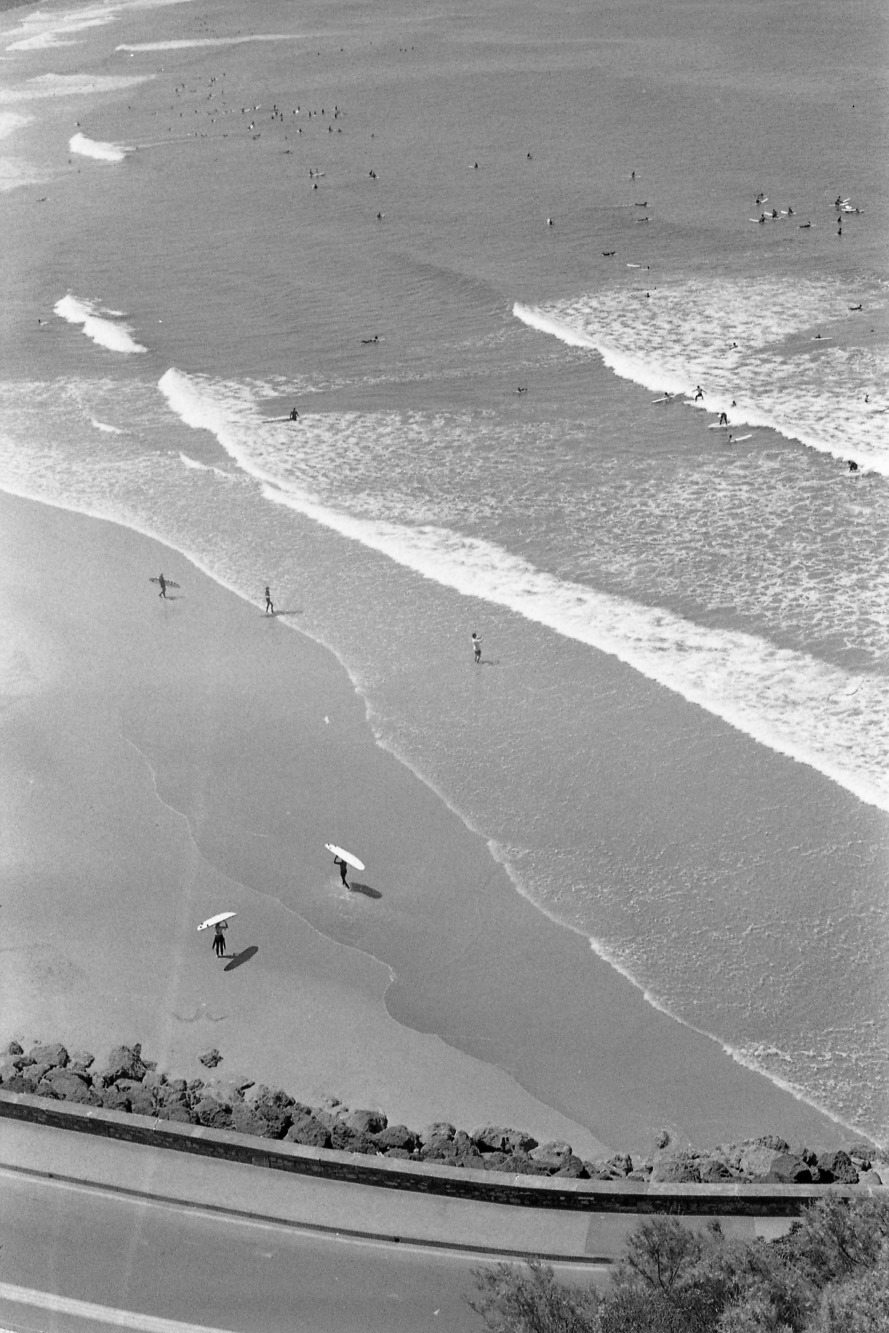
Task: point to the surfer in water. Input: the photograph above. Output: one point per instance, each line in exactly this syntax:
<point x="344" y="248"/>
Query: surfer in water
<point x="699" y="394"/>
<point x="219" y="938"/>
<point x="723" y="419"/>
<point x="476" y="646"/>
<point x="269" y="604"/>
<point x="163" y="582"/>
<point x="338" y="861"/>
<point x="294" y="415"/>
<point x="853" y="466"/>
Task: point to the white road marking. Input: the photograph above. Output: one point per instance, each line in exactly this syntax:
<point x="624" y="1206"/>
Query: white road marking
<point x="106" y="1314"/>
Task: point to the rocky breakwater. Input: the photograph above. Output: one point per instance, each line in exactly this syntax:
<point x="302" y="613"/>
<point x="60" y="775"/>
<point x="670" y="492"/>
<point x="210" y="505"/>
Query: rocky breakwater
<point x="128" y="1082"/>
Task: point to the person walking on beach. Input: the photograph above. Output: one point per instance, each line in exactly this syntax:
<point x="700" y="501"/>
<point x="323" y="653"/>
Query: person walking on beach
<point x="163" y="582"/>
<point x="338" y="861"/>
<point x="219" y="938"/>
<point x="476" y="647"/>
<point x="269" y="604"/>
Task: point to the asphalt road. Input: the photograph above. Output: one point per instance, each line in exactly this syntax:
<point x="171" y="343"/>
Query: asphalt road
<point x="76" y="1259"/>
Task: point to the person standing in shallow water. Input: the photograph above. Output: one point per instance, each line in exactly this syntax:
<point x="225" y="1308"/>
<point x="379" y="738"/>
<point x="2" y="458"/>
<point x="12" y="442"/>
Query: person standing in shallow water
<point x="269" y="604"/>
<point x="476" y="647"/>
<point x="219" y="938"/>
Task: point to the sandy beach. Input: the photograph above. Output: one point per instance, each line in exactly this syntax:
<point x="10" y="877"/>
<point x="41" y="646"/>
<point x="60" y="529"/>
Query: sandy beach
<point x="165" y="760"/>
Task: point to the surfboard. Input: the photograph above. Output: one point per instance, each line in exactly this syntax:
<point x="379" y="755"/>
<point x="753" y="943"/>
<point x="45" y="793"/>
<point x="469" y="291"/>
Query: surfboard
<point x="662" y="400"/>
<point x="718" y="425"/>
<point x="738" y="439"/>
<point x="341" y="852"/>
<point x="213" y="920"/>
<point x="168" y="582"/>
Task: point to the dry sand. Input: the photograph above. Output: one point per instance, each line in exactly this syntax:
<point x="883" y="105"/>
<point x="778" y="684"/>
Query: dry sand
<point x="163" y="761"/>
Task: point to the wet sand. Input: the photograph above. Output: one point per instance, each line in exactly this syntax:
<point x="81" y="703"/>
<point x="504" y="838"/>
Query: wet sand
<point x="162" y="761"/>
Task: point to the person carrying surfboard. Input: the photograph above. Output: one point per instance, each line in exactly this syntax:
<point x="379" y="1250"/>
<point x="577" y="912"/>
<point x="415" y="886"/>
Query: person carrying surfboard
<point x="476" y="646"/>
<point x="163" y="582"/>
<point x="343" y="865"/>
<point x="219" y="938"/>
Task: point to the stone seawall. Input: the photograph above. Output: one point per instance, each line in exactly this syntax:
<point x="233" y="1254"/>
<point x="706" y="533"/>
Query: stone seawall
<point x="129" y="1091"/>
<point x="567" y="1195"/>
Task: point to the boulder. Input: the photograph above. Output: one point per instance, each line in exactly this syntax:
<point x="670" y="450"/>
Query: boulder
<point x="755" y="1161"/>
<point x="83" y="1059"/>
<point x="862" y="1155"/>
<point x="124" y="1062"/>
<point x="552" y="1154"/>
<point x="439" y="1129"/>
<point x="346" y="1139"/>
<point x="114" y="1098"/>
<point x="788" y="1169"/>
<point x="52" y="1055"/>
<point x="712" y="1171"/>
<point x="494" y="1161"/>
<point x="640" y="1173"/>
<point x="497" y="1138"/>
<point x="572" y="1166"/>
<point x="213" y="1114"/>
<point x="366" y="1122"/>
<point x="177" y="1111"/>
<point x="66" y="1087"/>
<point x="223" y="1090"/>
<point x="176" y="1085"/>
<point x="837" y="1167"/>
<point x="662" y="1140"/>
<point x="437" y="1150"/>
<point x="210" y="1059"/>
<point x="142" y="1101"/>
<point x="14" y="1049"/>
<point x="872" y="1177"/>
<point x="396" y="1136"/>
<point x="7" y="1070"/>
<point x="152" y="1079"/>
<point x="398" y="1152"/>
<point x="522" y="1164"/>
<point x="675" y="1170"/>
<point x="276" y="1109"/>
<point x="308" y="1130"/>
<point x="37" y="1071"/>
<point x="19" y="1084"/>
<point x="246" y="1121"/>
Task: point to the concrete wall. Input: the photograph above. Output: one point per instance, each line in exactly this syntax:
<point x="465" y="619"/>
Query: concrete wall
<point x="734" y="1199"/>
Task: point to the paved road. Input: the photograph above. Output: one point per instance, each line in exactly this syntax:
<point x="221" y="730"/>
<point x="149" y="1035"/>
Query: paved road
<point x="67" y="1249"/>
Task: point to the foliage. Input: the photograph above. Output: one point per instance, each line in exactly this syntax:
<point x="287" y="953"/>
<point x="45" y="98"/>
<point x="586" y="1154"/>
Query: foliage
<point x="529" y="1300"/>
<point x="829" y="1274"/>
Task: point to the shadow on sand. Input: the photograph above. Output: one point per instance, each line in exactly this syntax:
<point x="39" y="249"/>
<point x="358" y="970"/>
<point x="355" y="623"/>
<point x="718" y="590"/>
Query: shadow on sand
<point x="243" y="957"/>
<point x="273" y="615"/>
<point x="366" y="889"/>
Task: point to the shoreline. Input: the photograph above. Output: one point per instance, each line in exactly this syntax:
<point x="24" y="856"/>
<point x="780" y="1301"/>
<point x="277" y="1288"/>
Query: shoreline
<point x="476" y="1041"/>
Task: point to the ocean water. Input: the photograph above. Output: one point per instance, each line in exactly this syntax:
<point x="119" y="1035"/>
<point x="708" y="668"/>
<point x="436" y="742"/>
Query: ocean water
<point x="396" y="221"/>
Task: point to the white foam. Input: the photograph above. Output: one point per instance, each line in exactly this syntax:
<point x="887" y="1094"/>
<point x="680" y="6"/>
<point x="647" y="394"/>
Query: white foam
<point x="116" y="336"/>
<point x="185" y="44"/>
<point x="42" y="30"/>
<point x="750" y="345"/>
<point x="18" y="171"/>
<point x="102" y="152"/>
<point x="69" y="85"/>
<point x="790" y="701"/>
<point x="103" y="426"/>
<point x="203" y="467"/>
<point x="10" y="121"/>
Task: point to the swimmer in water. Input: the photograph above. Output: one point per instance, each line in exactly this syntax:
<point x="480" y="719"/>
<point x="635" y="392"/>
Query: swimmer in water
<point x="853" y="466"/>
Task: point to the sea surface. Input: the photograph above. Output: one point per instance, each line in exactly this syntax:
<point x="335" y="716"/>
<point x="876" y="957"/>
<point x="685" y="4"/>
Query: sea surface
<point x="476" y="248"/>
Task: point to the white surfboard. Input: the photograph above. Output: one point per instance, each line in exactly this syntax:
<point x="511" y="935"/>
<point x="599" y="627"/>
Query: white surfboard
<point x="213" y="920"/>
<point x="739" y="439"/>
<point x="341" y="852"/>
<point x="168" y="582"/>
<point x="718" y="425"/>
